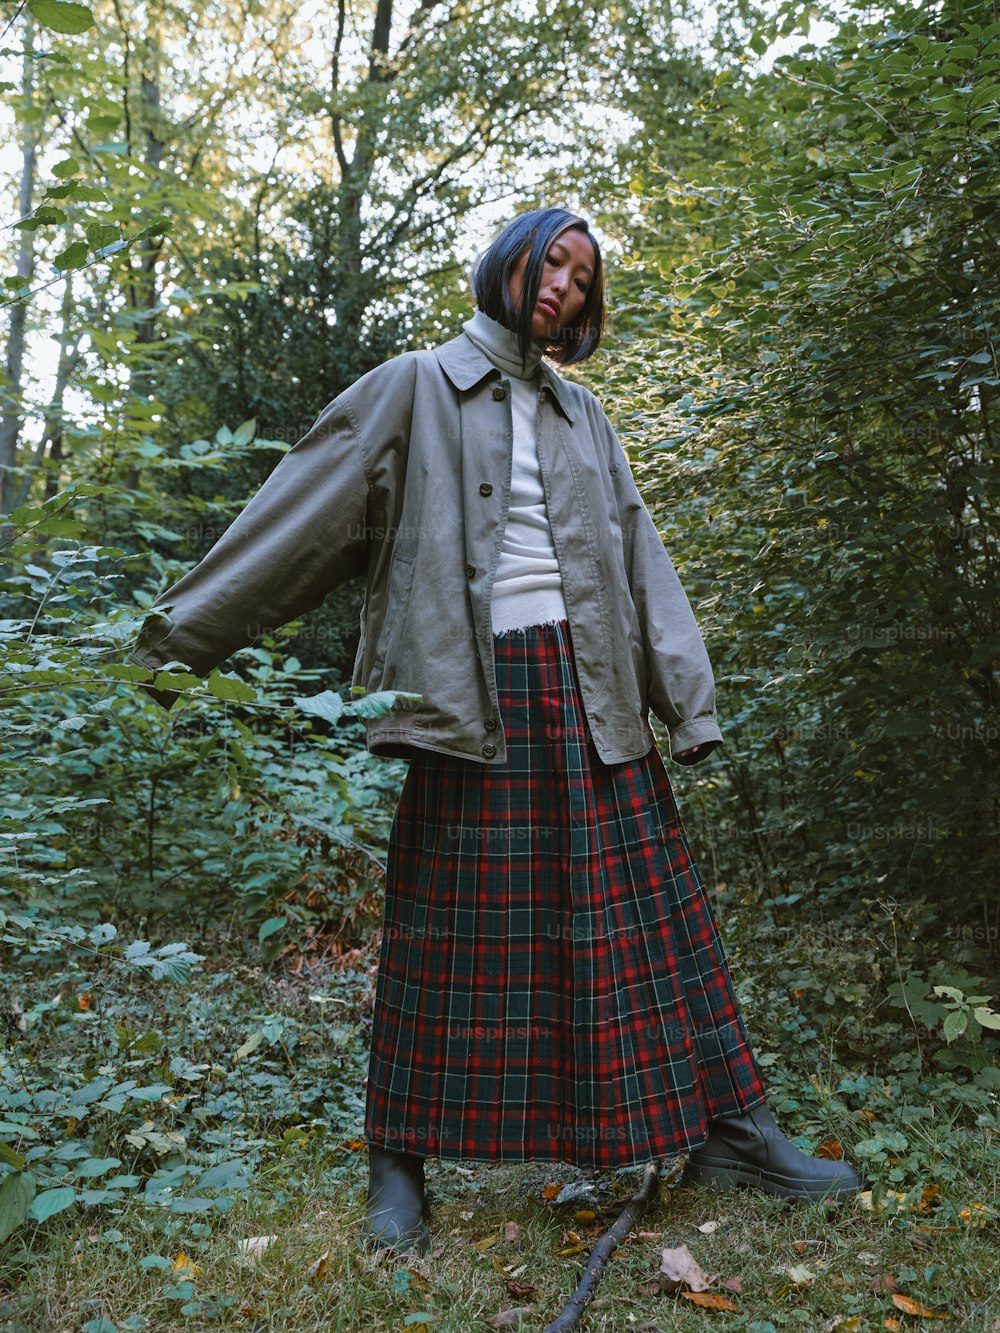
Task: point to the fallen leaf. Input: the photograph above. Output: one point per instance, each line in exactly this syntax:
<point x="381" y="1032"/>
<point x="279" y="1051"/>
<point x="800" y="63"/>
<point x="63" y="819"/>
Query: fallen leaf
<point x="585" y="1215"/>
<point x="733" y="1284"/>
<point x="892" y="1323"/>
<point x="573" y="1249"/>
<point x="800" y="1276"/>
<point x="520" y="1288"/>
<point x="681" y="1268"/>
<point x="649" y="1235"/>
<point x="550" y="1191"/>
<point x="511" y="1232"/>
<point x="909" y="1306"/>
<point x="707" y="1228"/>
<point x="801" y="1246"/>
<point x="85" y="1001"/>
<point x="886" y="1283"/>
<point x="485" y="1243"/>
<point x="864" y="1199"/>
<point x="319" y="1268"/>
<point x="509" y="1318"/>
<point x="832" y="1150"/>
<point x="976" y="1216"/>
<point x="182" y="1264"/>
<point x="709" y="1300"/>
<point x="254" y="1246"/>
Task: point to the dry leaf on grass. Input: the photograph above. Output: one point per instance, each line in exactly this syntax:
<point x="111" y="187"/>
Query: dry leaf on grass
<point x="520" y="1288"/>
<point x="682" y="1269"/>
<point x="182" y="1264"/>
<point x="510" y="1318"/>
<point x="511" y="1232"/>
<point x="319" y="1268"/>
<point x="909" y="1306"/>
<point x="253" y="1247"/>
<point x="709" y="1300"/>
<point x="884" y="1284"/>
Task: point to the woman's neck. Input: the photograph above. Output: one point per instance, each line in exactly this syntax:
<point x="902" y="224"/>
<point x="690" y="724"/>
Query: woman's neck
<point x="500" y="344"/>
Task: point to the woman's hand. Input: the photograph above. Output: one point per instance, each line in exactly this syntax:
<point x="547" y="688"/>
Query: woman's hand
<point x="691" y="756"/>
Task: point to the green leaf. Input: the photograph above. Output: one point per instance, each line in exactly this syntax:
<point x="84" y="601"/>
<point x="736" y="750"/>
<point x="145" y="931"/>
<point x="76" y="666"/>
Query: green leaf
<point x="954" y="1025"/>
<point x="219" y="1176"/>
<point x="96" y="1166"/>
<point x="16" y="1194"/>
<point x="988" y="1018"/>
<point x="74" y="256"/>
<point x="231" y="689"/>
<point x="327" y="705"/>
<point x="61" y="15"/>
<point x="250" y="1045"/>
<point x="270" y="927"/>
<point x="378" y="704"/>
<point x="50" y="1202"/>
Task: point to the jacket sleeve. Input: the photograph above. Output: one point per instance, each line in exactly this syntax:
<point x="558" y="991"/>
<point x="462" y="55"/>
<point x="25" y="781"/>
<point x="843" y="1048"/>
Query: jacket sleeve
<point x="302" y="534"/>
<point x="681" y="683"/>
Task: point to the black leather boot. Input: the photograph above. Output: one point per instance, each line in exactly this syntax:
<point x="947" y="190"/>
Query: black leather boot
<point x="751" y="1150"/>
<point x="396" y="1202"/>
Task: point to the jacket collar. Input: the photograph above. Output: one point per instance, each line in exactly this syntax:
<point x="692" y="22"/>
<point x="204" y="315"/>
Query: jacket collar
<point x="465" y="365"/>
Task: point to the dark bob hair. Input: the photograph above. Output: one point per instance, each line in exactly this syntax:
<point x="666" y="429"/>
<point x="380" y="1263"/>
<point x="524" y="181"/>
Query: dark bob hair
<point x="491" y="270"/>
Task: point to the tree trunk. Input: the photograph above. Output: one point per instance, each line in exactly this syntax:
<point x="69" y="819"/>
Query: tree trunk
<point x="10" y="418"/>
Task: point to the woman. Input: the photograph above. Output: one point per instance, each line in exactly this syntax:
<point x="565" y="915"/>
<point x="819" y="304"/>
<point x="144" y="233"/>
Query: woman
<point x="551" y="983"/>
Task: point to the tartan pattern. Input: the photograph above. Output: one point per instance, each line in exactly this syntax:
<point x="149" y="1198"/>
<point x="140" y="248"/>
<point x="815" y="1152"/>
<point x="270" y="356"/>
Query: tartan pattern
<point x="551" y="985"/>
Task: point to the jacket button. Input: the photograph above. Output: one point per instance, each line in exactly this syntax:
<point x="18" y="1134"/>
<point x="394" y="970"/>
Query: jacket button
<point x="499" y="393"/>
<point x="485" y="488"/>
<point x="490" y="724"/>
<point x="489" y="751"/>
<point x="470" y="571"/>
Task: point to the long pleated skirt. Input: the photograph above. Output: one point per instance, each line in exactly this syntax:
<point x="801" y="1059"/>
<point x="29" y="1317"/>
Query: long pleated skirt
<point x="551" y="984"/>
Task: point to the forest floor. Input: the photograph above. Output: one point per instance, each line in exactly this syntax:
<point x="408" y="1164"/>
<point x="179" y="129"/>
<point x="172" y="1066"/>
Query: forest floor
<point x="229" y="1196"/>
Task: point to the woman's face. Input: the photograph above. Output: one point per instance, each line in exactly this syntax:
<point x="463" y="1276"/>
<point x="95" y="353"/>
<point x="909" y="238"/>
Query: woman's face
<point x="566" y="277"/>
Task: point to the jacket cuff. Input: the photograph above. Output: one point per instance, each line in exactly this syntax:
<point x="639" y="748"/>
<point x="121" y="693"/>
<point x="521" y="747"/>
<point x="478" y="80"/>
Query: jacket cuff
<point x="700" y="731"/>
<point x="165" y="698"/>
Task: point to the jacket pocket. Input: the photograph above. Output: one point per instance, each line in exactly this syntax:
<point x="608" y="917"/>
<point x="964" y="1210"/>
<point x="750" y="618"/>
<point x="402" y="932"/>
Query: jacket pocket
<point x="397" y="607"/>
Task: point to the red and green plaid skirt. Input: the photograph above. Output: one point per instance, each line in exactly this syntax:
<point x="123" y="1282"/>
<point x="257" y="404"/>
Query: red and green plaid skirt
<point x="551" y="983"/>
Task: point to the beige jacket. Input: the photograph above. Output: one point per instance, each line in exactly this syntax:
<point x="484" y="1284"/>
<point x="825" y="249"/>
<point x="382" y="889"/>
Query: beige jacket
<point x="405" y="479"/>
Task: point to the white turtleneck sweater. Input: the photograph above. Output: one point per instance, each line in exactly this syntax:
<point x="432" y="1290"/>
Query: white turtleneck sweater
<point x="527" y="589"/>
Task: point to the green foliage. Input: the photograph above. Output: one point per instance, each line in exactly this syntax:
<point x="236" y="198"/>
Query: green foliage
<point x="112" y="1097"/>
<point x="809" y="398"/>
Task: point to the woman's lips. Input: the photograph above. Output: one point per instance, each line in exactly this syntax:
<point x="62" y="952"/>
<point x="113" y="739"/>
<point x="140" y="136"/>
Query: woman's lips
<point x="549" y="308"/>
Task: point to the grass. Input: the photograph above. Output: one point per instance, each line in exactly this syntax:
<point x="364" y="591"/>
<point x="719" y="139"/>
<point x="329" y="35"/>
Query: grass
<point x="134" y="1265"/>
<point x="799" y="1265"/>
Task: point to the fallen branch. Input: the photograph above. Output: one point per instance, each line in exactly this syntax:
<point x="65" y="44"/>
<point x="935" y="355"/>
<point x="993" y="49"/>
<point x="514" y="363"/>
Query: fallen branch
<point x="572" y="1311"/>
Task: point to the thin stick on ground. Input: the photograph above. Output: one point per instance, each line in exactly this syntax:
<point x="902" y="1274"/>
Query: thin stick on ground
<point x="572" y="1311"/>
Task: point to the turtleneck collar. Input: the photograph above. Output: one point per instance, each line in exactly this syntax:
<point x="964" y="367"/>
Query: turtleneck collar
<point x="500" y="345"/>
